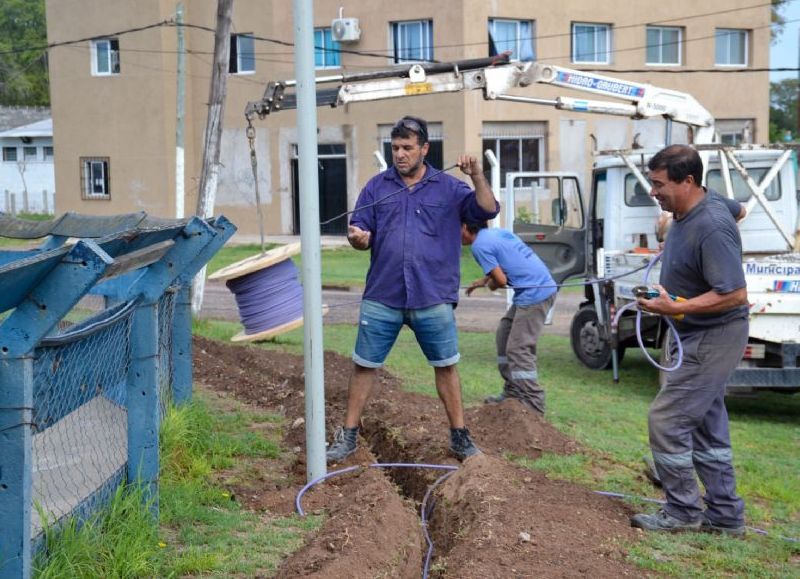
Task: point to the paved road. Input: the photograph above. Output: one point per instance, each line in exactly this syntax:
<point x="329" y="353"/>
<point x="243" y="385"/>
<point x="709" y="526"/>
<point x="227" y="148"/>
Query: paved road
<point x="476" y="313"/>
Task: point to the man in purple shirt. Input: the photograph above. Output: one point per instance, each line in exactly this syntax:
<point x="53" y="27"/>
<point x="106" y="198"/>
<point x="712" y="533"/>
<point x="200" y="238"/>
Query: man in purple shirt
<point x="410" y="218"/>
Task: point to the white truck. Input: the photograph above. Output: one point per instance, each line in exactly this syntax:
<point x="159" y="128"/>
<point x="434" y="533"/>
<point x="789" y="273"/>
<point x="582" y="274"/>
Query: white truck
<point x="608" y="240"/>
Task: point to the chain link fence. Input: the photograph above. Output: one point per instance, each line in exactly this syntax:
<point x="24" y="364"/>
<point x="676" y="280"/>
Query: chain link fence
<point x="80" y="418"/>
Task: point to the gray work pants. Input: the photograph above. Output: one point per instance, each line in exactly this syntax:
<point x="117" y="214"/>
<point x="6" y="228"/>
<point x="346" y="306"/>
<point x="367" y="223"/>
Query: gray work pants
<point x="516" y="339"/>
<point x="688" y="426"/>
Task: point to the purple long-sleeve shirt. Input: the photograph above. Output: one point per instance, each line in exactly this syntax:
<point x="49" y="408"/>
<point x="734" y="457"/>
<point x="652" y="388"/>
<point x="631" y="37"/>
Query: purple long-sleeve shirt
<point x="416" y="237"/>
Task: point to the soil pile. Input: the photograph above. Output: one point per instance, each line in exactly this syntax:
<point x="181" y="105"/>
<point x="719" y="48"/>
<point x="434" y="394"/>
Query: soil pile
<point x="491" y="518"/>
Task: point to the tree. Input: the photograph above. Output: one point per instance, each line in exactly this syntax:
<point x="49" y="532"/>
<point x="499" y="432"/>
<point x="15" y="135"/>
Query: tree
<point x="778" y="20"/>
<point x="783" y="108"/>
<point x="23" y="53"/>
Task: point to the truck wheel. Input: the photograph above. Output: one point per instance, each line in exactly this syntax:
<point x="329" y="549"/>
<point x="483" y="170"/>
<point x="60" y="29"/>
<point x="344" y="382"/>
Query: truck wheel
<point x="587" y="340"/>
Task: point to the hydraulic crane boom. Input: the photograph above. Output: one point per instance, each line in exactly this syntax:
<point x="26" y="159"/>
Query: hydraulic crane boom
<point x="496" y="77"/>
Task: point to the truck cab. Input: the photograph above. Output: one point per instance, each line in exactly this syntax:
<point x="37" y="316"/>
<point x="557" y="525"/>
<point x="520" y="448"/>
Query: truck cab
<point x="613" y="246"/>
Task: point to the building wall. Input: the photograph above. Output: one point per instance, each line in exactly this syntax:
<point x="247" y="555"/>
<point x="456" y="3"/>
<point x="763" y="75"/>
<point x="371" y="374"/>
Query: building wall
<point x="130" y="117"/>
<point x="27" y="185"/>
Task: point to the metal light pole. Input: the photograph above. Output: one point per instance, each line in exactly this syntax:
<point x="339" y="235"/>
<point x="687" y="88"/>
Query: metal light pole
<point x="310" y="237"/>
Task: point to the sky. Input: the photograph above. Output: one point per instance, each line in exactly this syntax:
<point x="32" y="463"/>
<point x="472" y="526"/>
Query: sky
<point x="785" y="52"/>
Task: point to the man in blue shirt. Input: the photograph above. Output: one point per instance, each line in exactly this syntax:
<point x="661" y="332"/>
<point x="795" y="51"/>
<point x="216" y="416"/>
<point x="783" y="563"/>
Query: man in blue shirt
<point x="410" y="217"/>
<point x="688" y="422"/>
<point x="508" y="261"/>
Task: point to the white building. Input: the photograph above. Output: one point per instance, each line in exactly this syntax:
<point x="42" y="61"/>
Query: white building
<point x="27" y="176"/>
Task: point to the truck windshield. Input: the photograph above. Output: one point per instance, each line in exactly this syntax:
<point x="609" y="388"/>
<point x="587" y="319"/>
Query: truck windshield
<point x="741" y="192"/>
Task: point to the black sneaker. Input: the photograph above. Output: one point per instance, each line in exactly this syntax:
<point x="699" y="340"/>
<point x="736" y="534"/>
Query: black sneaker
<point x="461" y="444"/>
<point x="344" y="444"/>
<point x="711" y="527"/>
<point x="661" y="521"/>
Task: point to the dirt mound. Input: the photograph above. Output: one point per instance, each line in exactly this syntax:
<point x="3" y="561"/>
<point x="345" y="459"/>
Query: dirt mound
<point x="497" y="520"/>
<point x="370" y="531"/>
<point x="482" y="513"/>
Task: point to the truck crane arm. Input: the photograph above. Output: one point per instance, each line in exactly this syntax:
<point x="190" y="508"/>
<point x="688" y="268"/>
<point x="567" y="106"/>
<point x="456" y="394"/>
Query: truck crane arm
<point x="496" y="77"/>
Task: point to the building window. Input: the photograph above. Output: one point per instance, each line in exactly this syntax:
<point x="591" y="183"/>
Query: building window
<point x="731" y="47"/>
<point x="10" y="154"/>
<point x="664" y="45"/>
<point x="243" y="56"/>
<point x="48" y="153"/>
<point x="326" y="49"/>
<point x="105" y="56"/>
<point x="29" y="153"/>
<point x="591" y="43"/>
<point x="511" y="35"/>
<point x="412" y="41"/>
<point x="94" y="178"/>
<point x="517" y="146"/>
<point x="735" y="131"/>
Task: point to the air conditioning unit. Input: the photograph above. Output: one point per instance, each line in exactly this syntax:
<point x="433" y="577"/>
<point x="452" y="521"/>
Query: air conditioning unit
<point x="345" y="29"/>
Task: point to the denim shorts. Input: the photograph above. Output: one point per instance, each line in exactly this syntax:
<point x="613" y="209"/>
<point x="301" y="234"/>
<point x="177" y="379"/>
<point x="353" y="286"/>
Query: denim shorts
<point x="379" y="326"/>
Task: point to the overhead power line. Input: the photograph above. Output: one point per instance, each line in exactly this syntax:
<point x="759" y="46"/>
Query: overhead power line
<point x="168" y="22"/>
<point x="385" y="54"/>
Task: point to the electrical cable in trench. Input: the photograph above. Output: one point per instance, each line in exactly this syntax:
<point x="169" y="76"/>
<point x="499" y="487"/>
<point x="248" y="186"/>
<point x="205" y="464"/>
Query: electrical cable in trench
<point x="425" y="510"/>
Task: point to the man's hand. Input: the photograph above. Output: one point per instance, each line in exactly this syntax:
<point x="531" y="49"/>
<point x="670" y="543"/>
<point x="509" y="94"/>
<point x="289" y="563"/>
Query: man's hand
<point x="358" y="238"/>
<point x="476" y="284"/>
<point x="469" y="166"/>
<point x="483" y="192"/>
<point x="663" y="304"/>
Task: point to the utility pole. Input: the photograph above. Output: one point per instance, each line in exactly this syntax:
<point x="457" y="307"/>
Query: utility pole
<point x="212" y="138"/>
<point x="180" y="155"/>
<point x="309" y="238"/>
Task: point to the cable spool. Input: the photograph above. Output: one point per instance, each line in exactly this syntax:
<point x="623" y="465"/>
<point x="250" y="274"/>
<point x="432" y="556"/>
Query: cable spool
<point x="267" y="291"/>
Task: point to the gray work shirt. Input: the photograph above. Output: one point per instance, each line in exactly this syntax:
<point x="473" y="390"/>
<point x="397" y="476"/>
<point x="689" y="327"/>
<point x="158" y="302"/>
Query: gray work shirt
<point x="703" y="252"/>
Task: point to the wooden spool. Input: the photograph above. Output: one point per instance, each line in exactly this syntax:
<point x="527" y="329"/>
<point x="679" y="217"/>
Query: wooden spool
<point x="257" y="263"/>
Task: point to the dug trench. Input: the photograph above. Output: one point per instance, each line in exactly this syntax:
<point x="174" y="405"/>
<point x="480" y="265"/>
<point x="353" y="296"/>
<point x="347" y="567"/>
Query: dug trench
<point x="491" y="518"/>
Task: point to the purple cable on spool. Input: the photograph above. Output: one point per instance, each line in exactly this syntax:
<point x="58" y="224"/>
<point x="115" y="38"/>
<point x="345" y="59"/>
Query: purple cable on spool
<point x="268" y="298"/>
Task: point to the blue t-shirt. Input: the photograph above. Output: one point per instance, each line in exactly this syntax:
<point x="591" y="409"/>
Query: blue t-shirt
<point x="415" y="259"/>
<point x="703" y="252"/>
<point x="526" y="272"/>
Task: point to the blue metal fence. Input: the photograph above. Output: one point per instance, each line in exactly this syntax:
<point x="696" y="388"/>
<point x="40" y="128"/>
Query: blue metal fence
<point x="82" y="393"/>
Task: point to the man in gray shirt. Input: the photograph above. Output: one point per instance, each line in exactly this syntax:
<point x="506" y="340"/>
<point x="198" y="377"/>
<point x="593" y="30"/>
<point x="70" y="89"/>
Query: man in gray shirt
<point x="688" y="422"/>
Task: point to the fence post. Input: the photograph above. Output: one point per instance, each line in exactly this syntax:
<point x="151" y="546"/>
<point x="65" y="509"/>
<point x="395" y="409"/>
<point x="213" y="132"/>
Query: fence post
<point x="16" y="439"/>
<point x="45" y="203"/>
<point x="182" y="347"/>
<point x="143" y="405"/>
<point x="25" y="207"/>
<point x="12" y="203"/>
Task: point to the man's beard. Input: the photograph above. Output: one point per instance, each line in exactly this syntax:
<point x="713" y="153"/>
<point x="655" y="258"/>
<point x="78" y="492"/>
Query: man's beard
<point x="410" y="170"/>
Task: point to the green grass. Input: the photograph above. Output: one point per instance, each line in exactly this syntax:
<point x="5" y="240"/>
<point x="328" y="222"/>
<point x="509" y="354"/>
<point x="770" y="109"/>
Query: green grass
<point x="120" y="541"/>
<point x="203" y="530"/>
<point x="611" y="421"/>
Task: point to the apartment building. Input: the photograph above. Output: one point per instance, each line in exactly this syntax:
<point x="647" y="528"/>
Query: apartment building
<point x="114" y="98"/>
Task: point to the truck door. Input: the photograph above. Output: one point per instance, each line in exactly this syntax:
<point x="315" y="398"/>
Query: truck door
<point x="546" y="210"/>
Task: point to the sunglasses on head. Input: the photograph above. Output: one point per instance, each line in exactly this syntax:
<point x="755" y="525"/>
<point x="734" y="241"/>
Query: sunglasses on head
<point x="412" y="126"/>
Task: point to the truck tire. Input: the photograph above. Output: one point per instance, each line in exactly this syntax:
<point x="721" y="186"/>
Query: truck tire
<point x="587" y="342"/>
